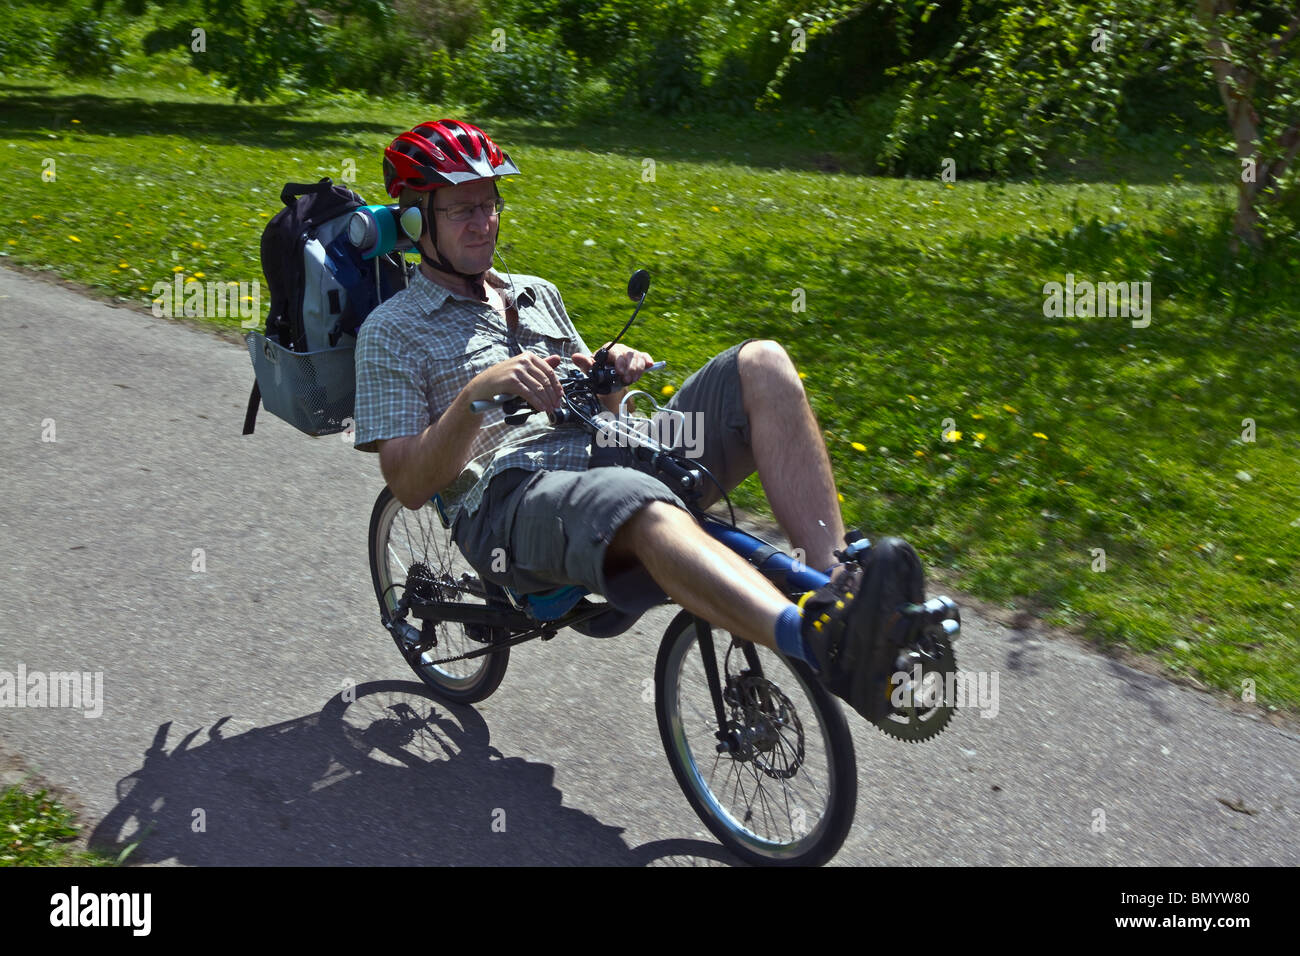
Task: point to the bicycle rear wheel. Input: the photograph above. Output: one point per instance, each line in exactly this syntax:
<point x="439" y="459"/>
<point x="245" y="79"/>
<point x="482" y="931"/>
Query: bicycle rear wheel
<point x="785" y="791"/>
<point x="404" y="541"/>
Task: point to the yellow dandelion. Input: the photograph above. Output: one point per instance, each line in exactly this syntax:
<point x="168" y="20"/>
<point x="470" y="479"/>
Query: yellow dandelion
<point x="979" y="436"/>
<point x="858" y="446"/>
<point x="715" y="209"/>
<point x="128" y="225"/>
<point x="1011" y="410"/>
<point x="840" y="496"/>
<point x="197" y="245"/>
<point x="74" y="238"/>
<point x="178" y="268"/>
<point x="117" y="237"/>
<point x="78" y="122"/>
<point x="37" y="216"/>
<point x="199" y="275"/>
<point x="189" y="279"/>
<point x="803" y="374"/>
<point x="918" y="453"/>
<point x="124" y="265"/>
<point x="143" y="288"/>
<point x="953" y="435"/>
<point x="13" y="242"/>
<point x="1040" y="435"/>
<point x="976" y="415"/>
<point x="667" y="390"/>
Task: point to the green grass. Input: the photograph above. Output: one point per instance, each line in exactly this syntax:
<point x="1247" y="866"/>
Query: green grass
<point x="36" y="830"/>
<point x="924" y="303"/>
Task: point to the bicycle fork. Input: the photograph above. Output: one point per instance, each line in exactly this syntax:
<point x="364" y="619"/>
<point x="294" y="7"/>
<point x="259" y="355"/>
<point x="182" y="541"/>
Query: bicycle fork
<point x="728" y="741"/>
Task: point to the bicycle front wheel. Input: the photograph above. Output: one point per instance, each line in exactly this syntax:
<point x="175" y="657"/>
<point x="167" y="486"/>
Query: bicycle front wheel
<point x="413" y="549"/>
<point x="783" y="788"/>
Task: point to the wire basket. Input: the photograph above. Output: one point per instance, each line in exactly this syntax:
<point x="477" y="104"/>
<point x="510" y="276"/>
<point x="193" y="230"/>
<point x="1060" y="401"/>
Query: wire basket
<point x="315" y="392"/>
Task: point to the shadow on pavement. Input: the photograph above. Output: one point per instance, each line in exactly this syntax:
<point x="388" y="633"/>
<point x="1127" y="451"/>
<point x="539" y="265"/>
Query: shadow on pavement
<point x="390" y="777"/>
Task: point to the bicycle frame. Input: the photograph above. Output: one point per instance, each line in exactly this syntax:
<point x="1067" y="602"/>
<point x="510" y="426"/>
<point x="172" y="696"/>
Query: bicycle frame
<point x="788" y="575"/>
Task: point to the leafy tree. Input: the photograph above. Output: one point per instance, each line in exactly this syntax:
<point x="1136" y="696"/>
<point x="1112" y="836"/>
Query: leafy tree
<point x="1022" y="81"/>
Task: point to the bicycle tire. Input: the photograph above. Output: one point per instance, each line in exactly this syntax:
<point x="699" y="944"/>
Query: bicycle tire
<point x="399" y="538"/>
<point x="807" y="840"/>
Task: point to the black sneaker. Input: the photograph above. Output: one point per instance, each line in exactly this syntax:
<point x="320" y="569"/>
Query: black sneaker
<point x="855" y="627"/>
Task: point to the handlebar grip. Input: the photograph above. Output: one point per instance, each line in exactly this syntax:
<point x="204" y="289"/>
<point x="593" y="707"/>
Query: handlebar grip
<point x="684" y="477"/>
<point x="508" y="403"/>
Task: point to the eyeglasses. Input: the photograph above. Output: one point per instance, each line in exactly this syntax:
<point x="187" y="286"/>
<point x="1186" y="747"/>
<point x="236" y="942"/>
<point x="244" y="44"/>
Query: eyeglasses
<point x="459" y="212"/>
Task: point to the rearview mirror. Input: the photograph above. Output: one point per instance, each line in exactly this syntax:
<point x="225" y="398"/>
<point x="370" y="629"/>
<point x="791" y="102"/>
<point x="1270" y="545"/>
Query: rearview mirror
<point x="637" y="285"/>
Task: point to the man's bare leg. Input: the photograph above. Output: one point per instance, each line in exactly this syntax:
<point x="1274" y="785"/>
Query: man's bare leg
<point x="703" y="575"/>
<point x="789" y="452"/>
<point x="698" y="572"/>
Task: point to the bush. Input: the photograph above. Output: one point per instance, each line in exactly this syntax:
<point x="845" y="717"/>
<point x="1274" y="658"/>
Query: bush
<point x="26" y="37"/>
<point x="667" y="77"/>
<point x="432" y="77"/>
<point x="87" y="47"/>
<point x="518" y="71"/>
<point x="374" y="62"/>
<point x="943" y="122"/>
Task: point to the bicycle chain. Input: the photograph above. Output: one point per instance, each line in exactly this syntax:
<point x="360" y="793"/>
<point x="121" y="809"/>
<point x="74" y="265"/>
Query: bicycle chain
<point x="479" y="652"/>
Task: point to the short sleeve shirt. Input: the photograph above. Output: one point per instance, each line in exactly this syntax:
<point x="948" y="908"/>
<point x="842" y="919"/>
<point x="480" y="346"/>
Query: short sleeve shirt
<point x="417" y="350"/>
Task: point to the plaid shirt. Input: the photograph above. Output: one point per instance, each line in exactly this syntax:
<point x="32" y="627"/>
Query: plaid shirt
<point x="418" y="349"/>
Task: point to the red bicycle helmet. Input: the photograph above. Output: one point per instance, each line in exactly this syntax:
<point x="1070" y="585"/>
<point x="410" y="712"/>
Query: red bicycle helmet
<point x="443" y="153"/>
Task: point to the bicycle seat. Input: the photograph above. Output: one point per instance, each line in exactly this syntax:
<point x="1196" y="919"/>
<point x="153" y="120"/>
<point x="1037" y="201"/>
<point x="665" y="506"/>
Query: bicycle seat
<point x="544" y="606"/>
<point x="549" y="605"/>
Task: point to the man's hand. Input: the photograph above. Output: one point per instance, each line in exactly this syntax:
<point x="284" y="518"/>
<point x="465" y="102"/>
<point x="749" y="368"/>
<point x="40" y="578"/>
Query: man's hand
<point x="630" y="363"/>
<point x="527" y="375"/>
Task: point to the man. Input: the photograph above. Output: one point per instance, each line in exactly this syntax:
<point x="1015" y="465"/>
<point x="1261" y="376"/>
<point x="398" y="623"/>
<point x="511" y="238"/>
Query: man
<point x="461" y="333"/>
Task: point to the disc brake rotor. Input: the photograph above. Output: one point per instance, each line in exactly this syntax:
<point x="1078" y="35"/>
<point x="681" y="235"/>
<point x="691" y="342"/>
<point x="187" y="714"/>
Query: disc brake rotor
<point x="767" y="726"/>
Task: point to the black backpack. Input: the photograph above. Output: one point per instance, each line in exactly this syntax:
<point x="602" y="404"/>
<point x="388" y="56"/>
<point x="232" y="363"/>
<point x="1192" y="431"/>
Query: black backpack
<point x="321" y="291"/>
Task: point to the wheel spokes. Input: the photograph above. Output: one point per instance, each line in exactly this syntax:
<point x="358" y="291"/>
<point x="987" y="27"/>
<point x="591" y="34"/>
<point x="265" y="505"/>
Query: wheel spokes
<point x="741" y="782"/>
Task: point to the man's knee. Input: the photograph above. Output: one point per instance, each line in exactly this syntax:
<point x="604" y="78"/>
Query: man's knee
<point x="638" y="531"/>
<point x="764" y="362"/>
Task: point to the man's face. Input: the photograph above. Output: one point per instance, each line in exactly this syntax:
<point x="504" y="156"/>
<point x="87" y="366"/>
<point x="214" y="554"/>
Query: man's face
<point x="468" y="244"/>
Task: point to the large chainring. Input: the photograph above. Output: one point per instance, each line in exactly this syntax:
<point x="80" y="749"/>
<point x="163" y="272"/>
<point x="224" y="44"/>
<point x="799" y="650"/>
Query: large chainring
<point x="923" y="701"/>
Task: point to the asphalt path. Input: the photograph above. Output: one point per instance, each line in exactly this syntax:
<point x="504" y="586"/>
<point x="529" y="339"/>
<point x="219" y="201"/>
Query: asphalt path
<point x="226" y="733"/>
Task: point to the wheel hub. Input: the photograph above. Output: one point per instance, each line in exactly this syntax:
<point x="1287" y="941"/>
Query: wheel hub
<point x="764" y="728"/>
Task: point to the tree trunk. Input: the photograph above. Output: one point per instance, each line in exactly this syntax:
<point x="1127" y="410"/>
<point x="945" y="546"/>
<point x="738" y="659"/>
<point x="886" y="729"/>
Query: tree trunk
<point x="1236" y="83"/>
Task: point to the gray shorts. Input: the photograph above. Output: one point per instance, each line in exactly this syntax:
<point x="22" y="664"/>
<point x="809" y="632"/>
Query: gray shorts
<point x="548" y="529"/>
